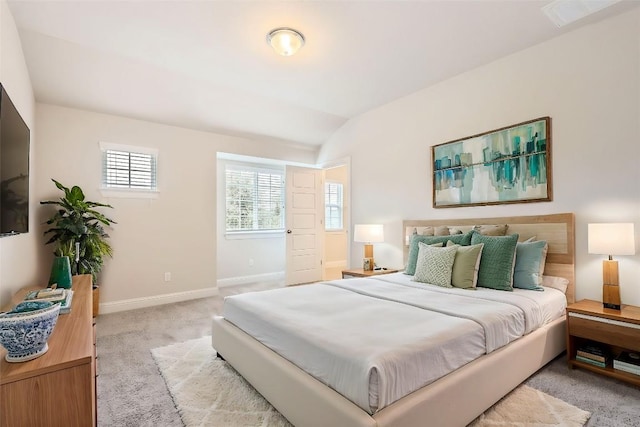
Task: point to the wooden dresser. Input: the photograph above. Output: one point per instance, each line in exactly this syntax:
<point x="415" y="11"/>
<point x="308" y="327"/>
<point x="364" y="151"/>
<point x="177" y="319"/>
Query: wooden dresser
<point x="59" y="387"/>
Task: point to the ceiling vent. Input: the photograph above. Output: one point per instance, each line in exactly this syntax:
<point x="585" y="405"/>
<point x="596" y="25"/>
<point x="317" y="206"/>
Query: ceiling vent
<point x="564" y="12"/>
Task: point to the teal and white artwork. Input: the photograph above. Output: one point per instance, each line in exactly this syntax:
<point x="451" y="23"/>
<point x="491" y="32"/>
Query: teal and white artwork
<point x="507" y="165"/>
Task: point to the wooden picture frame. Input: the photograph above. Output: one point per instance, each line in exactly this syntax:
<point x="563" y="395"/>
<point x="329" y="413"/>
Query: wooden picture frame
<point x="507" y="165"/>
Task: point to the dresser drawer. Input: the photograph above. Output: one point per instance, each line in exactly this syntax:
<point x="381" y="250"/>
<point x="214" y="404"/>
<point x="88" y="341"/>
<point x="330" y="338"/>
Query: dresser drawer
<point x="612" y="332"/>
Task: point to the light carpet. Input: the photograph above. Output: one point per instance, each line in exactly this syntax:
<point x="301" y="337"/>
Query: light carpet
<point x="208" y="392"/>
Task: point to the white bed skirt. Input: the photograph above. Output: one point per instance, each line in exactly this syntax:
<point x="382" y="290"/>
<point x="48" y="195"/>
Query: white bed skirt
<point x="454" y="400"/>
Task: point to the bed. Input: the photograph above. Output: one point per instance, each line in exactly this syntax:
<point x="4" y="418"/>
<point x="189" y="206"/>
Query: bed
<point x="453" y="399"/>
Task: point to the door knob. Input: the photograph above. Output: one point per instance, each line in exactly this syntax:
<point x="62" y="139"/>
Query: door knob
<point x="288" y="231"/>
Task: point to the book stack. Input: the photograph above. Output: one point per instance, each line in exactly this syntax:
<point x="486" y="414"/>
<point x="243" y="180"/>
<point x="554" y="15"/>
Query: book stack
<point x="593" y="355"/>
<point x="628" y="362"/>
<point x="59" y="295"/>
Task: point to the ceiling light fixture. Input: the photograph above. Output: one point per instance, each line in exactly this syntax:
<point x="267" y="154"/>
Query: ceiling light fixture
<point x="285" y="41"/>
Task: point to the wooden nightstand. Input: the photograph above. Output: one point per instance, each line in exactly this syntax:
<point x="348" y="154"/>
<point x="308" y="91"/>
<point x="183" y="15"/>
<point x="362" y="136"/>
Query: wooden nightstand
<point x="358" y="272"/>
<point x="614" y="330"/>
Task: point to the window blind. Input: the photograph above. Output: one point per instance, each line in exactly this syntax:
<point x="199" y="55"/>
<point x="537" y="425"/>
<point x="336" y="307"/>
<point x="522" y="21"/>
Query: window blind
<point x="333" y="206"/>
<point x="254" y="198"/>
<point x="127" y="169"/>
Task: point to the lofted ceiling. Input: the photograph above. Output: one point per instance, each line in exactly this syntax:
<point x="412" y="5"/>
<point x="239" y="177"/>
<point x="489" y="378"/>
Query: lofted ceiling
<point x="206" y="65"/>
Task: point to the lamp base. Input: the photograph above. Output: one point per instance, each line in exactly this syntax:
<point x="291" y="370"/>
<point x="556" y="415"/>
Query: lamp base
<point x="611" y="296"/>
<point x="367" y="261"/>
<point x="610" y="288"/>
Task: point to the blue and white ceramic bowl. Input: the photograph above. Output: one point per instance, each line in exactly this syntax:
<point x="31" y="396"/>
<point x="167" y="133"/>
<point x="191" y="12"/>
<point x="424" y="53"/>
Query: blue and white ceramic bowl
<point x="24" y="331"/>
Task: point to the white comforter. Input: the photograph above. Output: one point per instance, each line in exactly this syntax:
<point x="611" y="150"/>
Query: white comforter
<point x="375" y="341"/>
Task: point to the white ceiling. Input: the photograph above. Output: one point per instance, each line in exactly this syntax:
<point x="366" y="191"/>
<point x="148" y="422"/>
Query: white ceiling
<point x="206" y="65"/>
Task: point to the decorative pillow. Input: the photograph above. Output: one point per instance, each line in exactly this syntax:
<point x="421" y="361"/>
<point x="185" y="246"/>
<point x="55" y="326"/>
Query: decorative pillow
<point x="465" y="266"/>
<point x="559" y="283"/>
<point x="425" y="231"/>
<point x="434" y="265"/>
<point x="497" y="261"/>
<point x="441" y="230"/>
<point x="460" y="239"/>
<point x="453" y="231"/>
<point x="491" y="230"/>
<point x="530" y="260"/>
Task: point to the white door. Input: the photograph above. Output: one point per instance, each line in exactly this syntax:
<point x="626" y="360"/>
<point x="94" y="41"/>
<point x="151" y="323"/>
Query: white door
<point x="304" y="225"/>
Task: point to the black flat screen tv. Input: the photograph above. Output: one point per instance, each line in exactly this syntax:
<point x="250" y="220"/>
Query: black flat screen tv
<point x="14" y="169"/>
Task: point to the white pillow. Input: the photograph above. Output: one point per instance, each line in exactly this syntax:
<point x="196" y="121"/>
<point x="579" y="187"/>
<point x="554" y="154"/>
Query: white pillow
<point x="559" y="283"/>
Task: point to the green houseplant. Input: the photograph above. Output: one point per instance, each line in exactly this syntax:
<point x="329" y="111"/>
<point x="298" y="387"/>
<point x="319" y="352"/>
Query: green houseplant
<point x="78" y="231"/>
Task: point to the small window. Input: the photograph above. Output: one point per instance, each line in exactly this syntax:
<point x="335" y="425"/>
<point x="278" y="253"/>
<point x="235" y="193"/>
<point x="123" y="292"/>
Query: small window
<point x="333" y="206"/>
<point x="254" y="198"/>
<point x="128" y="168"/>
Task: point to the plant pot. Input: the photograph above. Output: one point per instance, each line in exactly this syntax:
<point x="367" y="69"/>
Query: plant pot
<point x="61" y="272"/>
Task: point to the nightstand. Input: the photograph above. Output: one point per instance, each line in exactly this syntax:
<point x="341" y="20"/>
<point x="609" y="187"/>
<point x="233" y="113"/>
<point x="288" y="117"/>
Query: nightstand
<point x="358" y="272"/>
<point x="615" y="330"/>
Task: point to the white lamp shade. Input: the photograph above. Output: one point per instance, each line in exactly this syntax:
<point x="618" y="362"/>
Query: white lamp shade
<point x="368" y="233"/>
<point x="611" y="239"/>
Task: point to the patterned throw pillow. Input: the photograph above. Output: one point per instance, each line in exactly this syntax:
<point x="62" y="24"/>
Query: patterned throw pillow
<point x="497" y="261"/>
<point x="459" y="239"/>
<point x="434" y="265"/>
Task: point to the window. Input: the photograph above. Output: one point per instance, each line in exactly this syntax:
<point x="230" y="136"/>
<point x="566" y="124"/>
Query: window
<point x="333" y="206"/>
<point x="254" y="198"/>
<point x="126" y="167"/>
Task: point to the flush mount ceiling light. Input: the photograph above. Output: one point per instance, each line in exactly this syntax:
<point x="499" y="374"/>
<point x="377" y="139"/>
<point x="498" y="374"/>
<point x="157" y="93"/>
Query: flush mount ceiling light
<point x="285" y="41"/>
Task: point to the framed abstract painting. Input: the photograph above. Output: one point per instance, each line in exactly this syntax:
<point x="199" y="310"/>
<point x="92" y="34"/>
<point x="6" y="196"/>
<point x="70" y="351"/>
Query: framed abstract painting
<point x="506" y="165"/>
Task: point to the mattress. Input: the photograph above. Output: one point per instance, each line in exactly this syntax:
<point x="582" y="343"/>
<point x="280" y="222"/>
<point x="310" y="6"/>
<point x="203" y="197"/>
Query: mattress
<point x="551" y="301"/>
<point x="375" y="341"/>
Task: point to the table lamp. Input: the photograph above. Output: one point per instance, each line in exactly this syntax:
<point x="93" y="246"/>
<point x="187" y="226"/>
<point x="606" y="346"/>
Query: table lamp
<point x="368" y="234"/>
<point x="611" y="239"/>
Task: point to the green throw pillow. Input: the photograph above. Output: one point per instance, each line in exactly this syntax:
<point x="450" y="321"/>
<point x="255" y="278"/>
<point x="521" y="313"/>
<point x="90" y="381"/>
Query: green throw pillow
<point x="459" y="239"/>
<point x="434" y="265"/>
<point x="497" y="261"/>
<point x="466" y="265"/>
<point x="530" y="261"/>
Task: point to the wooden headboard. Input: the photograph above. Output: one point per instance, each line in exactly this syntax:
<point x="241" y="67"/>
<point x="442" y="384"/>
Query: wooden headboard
<point x="557" y="229"/>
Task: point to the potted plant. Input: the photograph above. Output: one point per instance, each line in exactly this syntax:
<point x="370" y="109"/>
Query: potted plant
<point x="78" y="232"/>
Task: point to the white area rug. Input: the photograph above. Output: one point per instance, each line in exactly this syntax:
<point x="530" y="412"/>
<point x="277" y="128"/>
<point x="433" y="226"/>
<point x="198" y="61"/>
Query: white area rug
<point x="526" y="406"/>
<point x="208" y="392"/>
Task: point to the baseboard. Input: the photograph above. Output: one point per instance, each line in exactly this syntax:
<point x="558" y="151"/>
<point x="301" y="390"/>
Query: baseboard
<point x="135" y="303"/>
<point x="245" y="280"/>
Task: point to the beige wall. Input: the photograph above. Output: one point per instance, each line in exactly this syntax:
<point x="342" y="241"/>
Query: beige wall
<point x="248" y="257"/>
<point x="588" y="81"/>
<point x="18" y="254"/>
<point x="174" y="233"/>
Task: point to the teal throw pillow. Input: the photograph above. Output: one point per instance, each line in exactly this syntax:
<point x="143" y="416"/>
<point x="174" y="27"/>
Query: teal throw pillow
<point x="434" y="265"/>
<point x="459" y="239"/>
<point x="530" y="260"/>
<point x="497" y="261"/>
